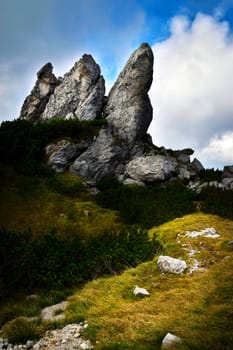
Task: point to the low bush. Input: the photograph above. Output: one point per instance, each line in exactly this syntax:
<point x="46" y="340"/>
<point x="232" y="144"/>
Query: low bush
<point x="51" y="262"/>
<point x="146" y="206"/>
<point x="20" y="330"/>
<point x="210" y="175"/>
<point x="217" y="201"/>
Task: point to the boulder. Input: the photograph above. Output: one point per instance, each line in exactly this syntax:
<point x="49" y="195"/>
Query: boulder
<point x="184" y="172"/>
<point x="151" y="168"/>
<point x="227" y="177"/>
<point x="128" y="109"/>
<point x="61" y="154"/>
<point x="196" y="165"/>
<point x="35" y="103"/>
<point x="170" y="341"/>
<point x="172" y="265"/>
<point x="80" y="93"/>
<point x="100" y="159"/>
<point x="183" y="155"/>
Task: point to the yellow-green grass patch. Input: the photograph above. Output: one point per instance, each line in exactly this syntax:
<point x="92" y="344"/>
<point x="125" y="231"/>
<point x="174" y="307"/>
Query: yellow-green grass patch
<point x="196" y="307"/>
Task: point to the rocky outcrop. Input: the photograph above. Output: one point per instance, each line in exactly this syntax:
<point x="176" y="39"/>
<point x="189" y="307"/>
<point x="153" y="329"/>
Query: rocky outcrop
<point x="100" y="159"/>
<point x="80" y="94"/>
<point x="128" y="108"/>
<point x="122" y="148"/>
<point x="35" y="103"/>
<point x="225" y="183"/>
<point x="227" y="177"/>
<point x="196" y="165"/>
<point x="152" y="168"/>
<point x="62" y="153"/>
<point x="69" y="337"/>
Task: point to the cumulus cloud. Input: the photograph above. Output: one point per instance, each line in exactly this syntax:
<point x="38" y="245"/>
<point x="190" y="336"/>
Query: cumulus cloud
<point x="219" y="149"/>
<point x="193" y="84"/>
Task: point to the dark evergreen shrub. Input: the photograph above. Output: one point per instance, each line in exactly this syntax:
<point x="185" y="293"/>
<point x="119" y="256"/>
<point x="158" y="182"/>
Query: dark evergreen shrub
<point x="210" y="175"/>
<point x="217" y="201"/>
<point x="146" y="206"/>
<point x="50" y="262"/>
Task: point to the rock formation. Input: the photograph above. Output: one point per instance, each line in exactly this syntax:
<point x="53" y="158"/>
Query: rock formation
<point x="80" y="94"/>
<point x="36" y="102"/>
<point x="122" y="148"/>
<point x="128" y="109"/>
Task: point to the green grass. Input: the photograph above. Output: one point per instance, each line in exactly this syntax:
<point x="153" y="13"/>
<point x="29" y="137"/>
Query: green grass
<point x="60" y="203"/>
<point x="196" y="307"/>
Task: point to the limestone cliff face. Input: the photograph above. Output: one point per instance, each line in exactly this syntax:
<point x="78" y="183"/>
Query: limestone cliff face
<point x="80" y="94"/>
<point x="123" y="148"/>
<point x="36" y="102"/>
<point x="128" y="109"/>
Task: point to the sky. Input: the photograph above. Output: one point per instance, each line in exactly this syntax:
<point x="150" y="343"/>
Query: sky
<point x="192" y="41"/>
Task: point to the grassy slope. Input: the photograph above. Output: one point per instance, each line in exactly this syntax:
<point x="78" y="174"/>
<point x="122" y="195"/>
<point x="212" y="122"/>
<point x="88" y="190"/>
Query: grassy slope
<point x="197" y="307"/>
<point x="33" y="202"/>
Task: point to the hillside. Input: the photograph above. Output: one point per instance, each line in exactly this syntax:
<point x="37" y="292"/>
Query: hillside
<point x="194" y="306"/>
<point x="89" y="207"/>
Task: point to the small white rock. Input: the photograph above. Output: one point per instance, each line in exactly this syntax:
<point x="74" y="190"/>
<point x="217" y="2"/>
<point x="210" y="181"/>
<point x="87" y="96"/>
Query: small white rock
<point x="170" y="340"/>
<point x="140" y="291"/>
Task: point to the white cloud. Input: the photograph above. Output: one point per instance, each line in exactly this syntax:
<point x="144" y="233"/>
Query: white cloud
<point x="193" y="84"/>
<point x="219" y="149"/>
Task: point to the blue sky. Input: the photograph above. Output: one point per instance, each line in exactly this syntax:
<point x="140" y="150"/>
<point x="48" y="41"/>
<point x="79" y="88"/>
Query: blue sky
<point x="193" y="47"/>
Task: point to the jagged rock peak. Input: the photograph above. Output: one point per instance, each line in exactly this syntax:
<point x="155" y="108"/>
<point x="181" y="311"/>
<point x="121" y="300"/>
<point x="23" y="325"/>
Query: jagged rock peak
<point x="35" y="103"/>
<point x="128" y="109"/>
<point x="80" y="94"/>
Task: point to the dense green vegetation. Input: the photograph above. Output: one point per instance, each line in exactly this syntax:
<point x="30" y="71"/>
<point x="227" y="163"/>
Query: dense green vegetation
<point x="51" y="262"/>
<point x="146" y="206"/>
<point x="217" y="201"/>
<point x="22" y="143"/>
<point x="55" y="235"/>
<point x="210" y="175"/>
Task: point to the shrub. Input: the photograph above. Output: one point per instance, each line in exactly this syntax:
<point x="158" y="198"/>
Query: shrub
<point x="146" y="206"/>
<point x="20" y="330"/>
<point x="50" y="262"/>
<point x="217" y="201"/>
<point x="111" y="252"/>
<point x="210" y="175"/>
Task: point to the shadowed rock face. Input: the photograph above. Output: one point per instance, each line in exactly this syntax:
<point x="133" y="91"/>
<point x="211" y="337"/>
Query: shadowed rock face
<point x="128" y="109"/>
<point x="35" y="103"/>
